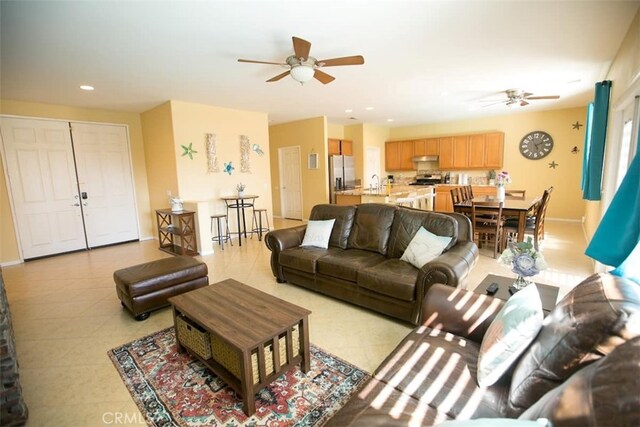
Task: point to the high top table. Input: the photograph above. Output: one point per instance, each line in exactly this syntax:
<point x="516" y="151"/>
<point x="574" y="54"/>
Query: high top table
<point x="239" y="203"/>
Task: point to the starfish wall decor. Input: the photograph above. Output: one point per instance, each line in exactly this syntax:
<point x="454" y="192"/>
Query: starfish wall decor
<point x="553" y="164"/>
<point x="576" y="125"/>
<point x="188" y="151"/>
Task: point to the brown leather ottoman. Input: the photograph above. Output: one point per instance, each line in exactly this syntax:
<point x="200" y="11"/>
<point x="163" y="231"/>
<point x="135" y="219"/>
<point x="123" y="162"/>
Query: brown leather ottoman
<point x="146" y="287"/>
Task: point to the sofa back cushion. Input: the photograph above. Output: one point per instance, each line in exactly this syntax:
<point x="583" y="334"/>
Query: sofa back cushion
<point x="342" y="227"/>
<point x="372" y="227"/>
<point x="604" y="393"/>
<point x="407" y="222"/>
<point x="598" y="315"/>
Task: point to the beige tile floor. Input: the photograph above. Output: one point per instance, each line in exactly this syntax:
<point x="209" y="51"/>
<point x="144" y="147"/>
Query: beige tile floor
<point x="66" y="316"/>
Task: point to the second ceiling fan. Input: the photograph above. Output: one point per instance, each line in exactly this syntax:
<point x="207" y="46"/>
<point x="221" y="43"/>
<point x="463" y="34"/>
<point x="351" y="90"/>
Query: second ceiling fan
<point x="303" y="67"/>
<point x="517" y="97"/>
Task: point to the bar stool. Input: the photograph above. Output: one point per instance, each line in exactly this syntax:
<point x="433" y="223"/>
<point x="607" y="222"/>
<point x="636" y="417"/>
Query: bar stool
<point x="256" y="222"/>
<point x="220" y="238"/>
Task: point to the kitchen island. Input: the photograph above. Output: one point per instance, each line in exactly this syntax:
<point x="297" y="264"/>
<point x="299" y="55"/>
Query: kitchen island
<point x="383" y="195"/>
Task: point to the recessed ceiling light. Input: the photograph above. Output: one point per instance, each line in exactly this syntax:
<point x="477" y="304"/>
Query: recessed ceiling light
<point x="87" y="87"/>
<point x="369" y="108"/>
<point x="348" y="110"/>
<point x="389" y="120"/>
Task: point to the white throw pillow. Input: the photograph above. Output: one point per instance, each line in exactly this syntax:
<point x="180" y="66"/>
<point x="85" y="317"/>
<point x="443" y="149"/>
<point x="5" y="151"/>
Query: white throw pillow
<point x="510" y="333"/>
<point x="318" y="233"/>
<point x="424" y="247"/>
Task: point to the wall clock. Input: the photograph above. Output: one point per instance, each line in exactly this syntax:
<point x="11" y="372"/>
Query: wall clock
<point x="536" y="145"/>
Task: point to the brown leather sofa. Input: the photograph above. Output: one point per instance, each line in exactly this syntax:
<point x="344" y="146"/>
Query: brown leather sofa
<point x="582" y="369"/>
<point x="362" y="263"/>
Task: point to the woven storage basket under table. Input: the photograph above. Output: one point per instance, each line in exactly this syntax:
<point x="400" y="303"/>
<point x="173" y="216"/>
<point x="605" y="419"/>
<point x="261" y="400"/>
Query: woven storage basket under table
<point x="230" y="357"/>
<point x="193" y="337"/>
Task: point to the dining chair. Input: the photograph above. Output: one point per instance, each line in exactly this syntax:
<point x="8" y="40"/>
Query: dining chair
<point x="516" y="194"/>
<point x="456" y="197"/>
<point x="534" y="225"/>
<point x="487" y="221"/>
<point x="469" y="192"/>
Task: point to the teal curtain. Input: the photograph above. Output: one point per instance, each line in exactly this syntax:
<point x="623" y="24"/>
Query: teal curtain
<point x="594" y="141"/>
<point x="616" y="242"/>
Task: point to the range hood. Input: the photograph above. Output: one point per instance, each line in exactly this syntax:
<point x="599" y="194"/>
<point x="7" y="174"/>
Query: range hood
<point x="425" y="159"/>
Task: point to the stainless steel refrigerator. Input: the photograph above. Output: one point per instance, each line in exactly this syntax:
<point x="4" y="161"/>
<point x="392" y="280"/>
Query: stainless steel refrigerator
<point x="342" y="175"/>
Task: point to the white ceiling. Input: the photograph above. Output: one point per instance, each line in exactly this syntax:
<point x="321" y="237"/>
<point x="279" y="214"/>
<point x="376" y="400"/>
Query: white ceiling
<point x="425" y="61"/>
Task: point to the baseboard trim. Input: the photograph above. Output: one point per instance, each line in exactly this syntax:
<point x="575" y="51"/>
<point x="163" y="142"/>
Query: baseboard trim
<point x="10" y="263"/>
<point x="564" y="220"/>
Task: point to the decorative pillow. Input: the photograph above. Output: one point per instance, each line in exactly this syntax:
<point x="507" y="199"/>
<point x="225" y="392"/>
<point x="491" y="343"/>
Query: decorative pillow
<point x="318" y="233"/>
<point x="424" y="247"/>
<point x="510" y="333"/>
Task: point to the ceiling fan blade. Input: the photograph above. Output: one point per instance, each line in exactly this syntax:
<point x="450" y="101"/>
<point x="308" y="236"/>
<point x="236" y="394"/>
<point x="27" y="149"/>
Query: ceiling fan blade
<point x="494" y="103"/>
<point x="301" y="48"/>
<point x="251" y="61"/>
<point x="523" y="103"/>
<point x="544" y="97"/>
<point x="526" y="94"/>
<point x="279" y="76"/>
<point x="347" y="60"/>
<point x="323" y="77"/>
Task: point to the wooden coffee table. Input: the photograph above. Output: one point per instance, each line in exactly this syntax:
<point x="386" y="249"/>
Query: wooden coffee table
<point x="245" y="336"/>
<point x="548" y="293"/>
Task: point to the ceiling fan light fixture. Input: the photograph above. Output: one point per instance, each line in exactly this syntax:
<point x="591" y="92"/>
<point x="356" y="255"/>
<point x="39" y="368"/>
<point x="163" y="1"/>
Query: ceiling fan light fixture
<point x="302" y="73"/>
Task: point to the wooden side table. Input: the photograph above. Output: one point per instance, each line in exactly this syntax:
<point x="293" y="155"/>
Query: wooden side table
<point x="177" y="232"/>
<point x="548" y="293"/>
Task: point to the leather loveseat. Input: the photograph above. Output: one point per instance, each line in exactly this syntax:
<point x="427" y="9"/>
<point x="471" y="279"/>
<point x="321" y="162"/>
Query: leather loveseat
<point x="362" y="262"/>
<point x="582" y="369"/>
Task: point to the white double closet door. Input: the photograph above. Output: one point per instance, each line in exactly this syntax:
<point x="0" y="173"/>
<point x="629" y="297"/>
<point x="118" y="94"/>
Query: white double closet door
<point x="70" y="184"/>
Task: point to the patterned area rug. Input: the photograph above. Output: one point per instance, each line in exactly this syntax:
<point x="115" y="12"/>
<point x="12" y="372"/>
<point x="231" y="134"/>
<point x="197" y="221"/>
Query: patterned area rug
<point x="174" y="389"/>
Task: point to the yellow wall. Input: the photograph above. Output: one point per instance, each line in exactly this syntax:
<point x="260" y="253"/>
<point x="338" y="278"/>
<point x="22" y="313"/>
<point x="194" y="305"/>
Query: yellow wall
<point x="31" y="109"/>
<point x="624" y="72"/>
<point x="531" y="175"/>
<point x="335" y="131"/>
<point x="157" y="130"/>
<point x="311" y="136"/>
<point x="190" y="124"/>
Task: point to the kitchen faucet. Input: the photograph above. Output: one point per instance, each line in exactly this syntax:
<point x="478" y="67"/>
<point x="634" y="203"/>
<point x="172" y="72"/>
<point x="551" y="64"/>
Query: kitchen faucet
<point x="377" y="181"/>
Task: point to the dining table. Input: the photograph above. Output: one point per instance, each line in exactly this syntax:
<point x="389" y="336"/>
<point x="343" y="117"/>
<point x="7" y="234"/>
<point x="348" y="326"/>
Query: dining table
<point x="239" y="203"/>
<point x="511" y="207"/>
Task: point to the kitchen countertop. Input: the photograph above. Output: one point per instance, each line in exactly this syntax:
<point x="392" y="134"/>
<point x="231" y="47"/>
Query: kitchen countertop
<point x="382" y="192"/>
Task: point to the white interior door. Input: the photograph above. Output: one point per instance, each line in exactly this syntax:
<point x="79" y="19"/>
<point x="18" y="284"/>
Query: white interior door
<point x="42" y="185"/>
<point x="372" y="166"/>
<point x="290" y="182"/>
<point x="105" y="182"/>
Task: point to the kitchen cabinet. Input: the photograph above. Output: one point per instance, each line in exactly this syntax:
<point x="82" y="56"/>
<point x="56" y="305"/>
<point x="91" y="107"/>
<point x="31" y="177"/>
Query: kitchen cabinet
<point x="460" y="152"/>
<point x="399" y="156"/>
<point x="476" y="151"/>
<point x="347" y="199"/>
<point x="494" y="150"/>
<point x="445" y="161"/>
<point x="337" y="147"/>
<point x="426" y="147"/>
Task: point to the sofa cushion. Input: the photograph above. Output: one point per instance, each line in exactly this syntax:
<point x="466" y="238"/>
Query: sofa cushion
<point x="599" y="314"/>
<point x="371" y="227"/>
<point x="391" y="277"/>
<point x="345" y="264"/>
<point x="407" y="222"/>
<point x="605" y="393"/>
<point x="510" y="333"/>
<point x="304" y="258"/>
<point x="439" y="369"/>
<point x="344" y="221"/>
<point x="318" y="233"/>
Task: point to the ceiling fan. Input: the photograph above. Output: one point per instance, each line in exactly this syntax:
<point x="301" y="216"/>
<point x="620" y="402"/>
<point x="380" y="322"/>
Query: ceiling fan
<point x="519" y="97"/>
<point x="303" y="67"/>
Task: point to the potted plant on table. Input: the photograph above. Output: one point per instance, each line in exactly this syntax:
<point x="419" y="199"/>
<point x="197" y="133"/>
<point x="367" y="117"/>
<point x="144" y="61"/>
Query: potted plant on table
<point x="502" y="179"/>
<point x="240" y="187"/>
<point x="524" y="261"/>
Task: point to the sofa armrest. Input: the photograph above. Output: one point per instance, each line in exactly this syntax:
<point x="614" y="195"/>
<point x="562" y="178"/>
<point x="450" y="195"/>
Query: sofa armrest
<point x="459" y="311"/>
<point x="451" y="268"/>
<point x="279" y="240"/>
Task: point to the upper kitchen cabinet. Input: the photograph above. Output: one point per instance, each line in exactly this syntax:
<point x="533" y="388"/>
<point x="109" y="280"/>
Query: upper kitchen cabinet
<point x="340" y="146"/>
<point x="481" y="151"/>
<point x="454" y="152"/>
<point x="494" y="150"/>
<point x="399" y="156"/>
<point x="426" y="147"/>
